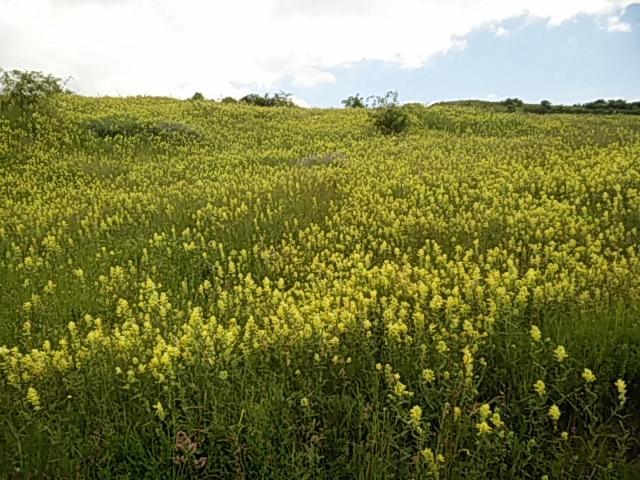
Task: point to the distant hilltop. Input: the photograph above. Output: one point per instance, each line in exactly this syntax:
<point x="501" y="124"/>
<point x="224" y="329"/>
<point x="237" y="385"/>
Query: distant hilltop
<point x="604" y="107"/>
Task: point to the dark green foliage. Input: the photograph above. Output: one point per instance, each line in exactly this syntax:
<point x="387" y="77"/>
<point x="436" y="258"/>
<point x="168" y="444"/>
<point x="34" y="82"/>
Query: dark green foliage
<point x="280" y="99"/>
<point x="113" y="126"/>
<point x="610" y="106"/>
<point x="389" y="99"/>
<point x="602" y="107"/>
<point x="28" y="91"/>
<point x="127" y="126"/>
<point x="25" y="93"/>
<point x="515" y="102"/>
<point x="354" y="101"/>
<point x="228" y="100"/>
<point x="389" y="118"/>
<point x="197" y="96"/>
<point x="172" y="130"/>
<point x="512" y="104"/>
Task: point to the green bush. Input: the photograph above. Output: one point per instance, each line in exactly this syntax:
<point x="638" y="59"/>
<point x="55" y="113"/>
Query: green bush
<point x="197" y="96"/>
<point x="280" y="99"/>
<point x="28" y="91"/>
<point x="127" y="126"/>
<point x="109" y="127"/>
<point x="389" y="118"/>
<point x="354" y="101"/>
<point x="228" y="100"/>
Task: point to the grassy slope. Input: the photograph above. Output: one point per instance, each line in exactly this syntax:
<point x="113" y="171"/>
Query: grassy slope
<point x="434" y="250"/>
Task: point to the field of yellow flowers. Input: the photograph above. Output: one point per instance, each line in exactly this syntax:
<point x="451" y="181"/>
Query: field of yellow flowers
<point x="197" y="290"/>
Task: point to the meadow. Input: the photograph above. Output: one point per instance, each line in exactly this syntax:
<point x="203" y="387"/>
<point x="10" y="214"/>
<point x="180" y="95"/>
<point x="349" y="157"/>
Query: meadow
<point x="191" y="289"/>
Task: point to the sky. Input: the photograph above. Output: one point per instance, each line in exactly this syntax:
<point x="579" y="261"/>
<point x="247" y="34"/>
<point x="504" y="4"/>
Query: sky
<point x="565" y="51"/>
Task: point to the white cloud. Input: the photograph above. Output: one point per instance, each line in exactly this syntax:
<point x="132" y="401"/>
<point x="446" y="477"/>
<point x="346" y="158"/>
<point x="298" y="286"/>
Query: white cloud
<point x="311" y="77"/>
<point x="300" y="102"/>
<point x="615" y="25"/>
<point x="228" y="47"/>
<point x="501" y="32"/>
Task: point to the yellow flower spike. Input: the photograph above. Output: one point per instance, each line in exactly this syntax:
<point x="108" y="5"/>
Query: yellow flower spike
<point x="536" y="334"/>
<point x="427" y="455"/>
<point x="540" y="388"/>
<point x="496" y="420"/>
<point x="588" y="376"/>
<point x="621" y="386"/>
<point x="554" y="413"/>
<point x="415" y="416"/>
<point x="483" y="428"/>
<point x="457" y="413"/>
<point x="560" y="353"/>
<point x="428" y="375"/>
<point x="160" y="410"/>
<point x="33" y="398"/>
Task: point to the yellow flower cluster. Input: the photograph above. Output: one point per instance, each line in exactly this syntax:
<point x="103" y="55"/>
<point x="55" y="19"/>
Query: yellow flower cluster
<point x="304" y="239"/>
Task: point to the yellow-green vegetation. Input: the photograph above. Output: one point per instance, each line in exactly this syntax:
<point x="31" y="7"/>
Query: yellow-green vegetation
<point x="202" y="290"/>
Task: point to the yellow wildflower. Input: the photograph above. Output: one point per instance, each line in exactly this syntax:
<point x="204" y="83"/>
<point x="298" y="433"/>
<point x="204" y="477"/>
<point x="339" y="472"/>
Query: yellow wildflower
<point x="415" y="416"/>
<point x="160" y="410"/>
<point x="483" y="428"/>
<point x="588" y="376"/>
<point x="535" y="333"/>
<point x="428" y="456"/>
<point x="560" y="353"/>
<point x="621" y="386"/>
<point x="428" y="375"/>
<point x="33" y="398"/>
<point x="554" y="412"/>
<point x="496" y="420"/>
<point x="540" y="388"/>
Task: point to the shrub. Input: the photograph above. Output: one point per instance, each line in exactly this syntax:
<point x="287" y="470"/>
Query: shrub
<point x="126" y="126"/>
<point x="170" y="130"/>
<point x="516" y="102"/>
<point x="512" y="104"/>
<point x="280" y="99"/>
<point x="354" y="101"/>
<point x="389" y="118"/>
<point x="197" y="96"/>
<point x="28" y="91"/>
<point x="228" y="100"/>
<point x="109" y="127"/>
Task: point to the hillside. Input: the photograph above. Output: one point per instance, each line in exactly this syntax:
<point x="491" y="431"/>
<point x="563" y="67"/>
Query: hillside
<point x="192" y="289"/>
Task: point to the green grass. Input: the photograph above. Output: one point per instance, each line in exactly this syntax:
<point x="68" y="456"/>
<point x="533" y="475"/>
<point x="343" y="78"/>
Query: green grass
<point x="269" y="292"/>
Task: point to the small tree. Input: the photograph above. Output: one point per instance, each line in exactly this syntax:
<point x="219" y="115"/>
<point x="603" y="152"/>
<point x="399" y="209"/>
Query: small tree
<point x="28" y="91"/>
<point x="354" y="101"/>
<point x="389" y="118"/>
<point x="197" y="96"/>
<point x="389" y="99"/>
<point x="280" y="99"/>
<point x="512" y="104"/>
